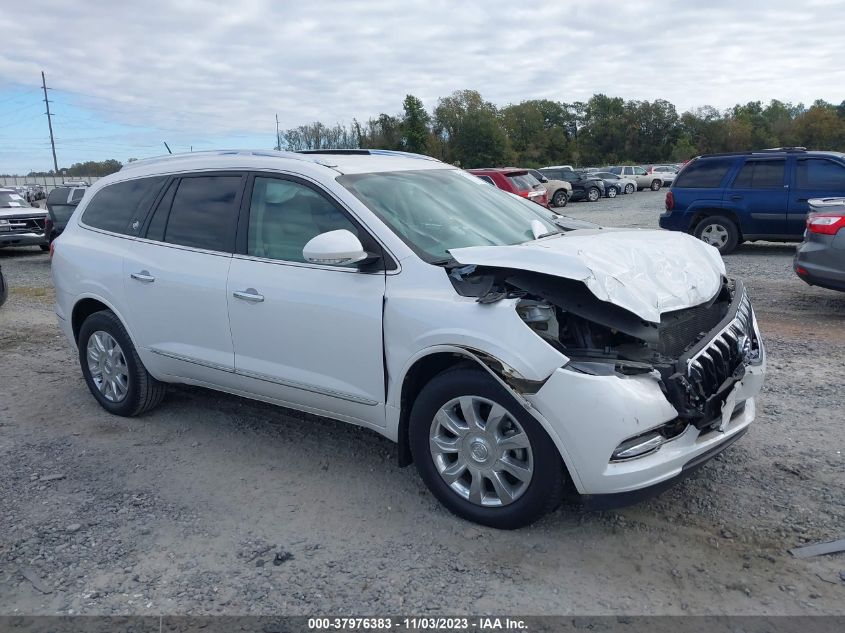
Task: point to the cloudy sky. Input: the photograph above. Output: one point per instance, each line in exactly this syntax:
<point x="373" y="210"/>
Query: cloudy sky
<point x="214" y="74"/>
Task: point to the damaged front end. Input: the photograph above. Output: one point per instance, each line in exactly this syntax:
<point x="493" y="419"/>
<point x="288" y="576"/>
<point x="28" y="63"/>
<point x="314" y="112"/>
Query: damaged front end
<point x="696" y="354"/>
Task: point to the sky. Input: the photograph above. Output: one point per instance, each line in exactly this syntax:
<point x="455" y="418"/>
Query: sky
<point x="125" y="77"/>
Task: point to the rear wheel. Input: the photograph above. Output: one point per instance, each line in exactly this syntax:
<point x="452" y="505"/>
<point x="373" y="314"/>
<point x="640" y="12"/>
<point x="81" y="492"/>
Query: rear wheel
<point x="718" y="231"/>
<point x="656" y="185"/>
<point x="112" y="368"/>
<point x="481" y="453"/>
<point x="593" y="194"/>
<point x="560" y="198"/>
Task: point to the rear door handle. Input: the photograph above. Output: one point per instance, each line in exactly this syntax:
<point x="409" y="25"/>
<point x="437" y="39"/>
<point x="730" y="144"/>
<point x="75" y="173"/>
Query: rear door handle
<point x="250" y="294"/>
<point x="144" y="276"/>
<point x="736" y="197"/>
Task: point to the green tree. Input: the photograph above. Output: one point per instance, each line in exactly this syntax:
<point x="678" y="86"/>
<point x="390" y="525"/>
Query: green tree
<point x="415" y="132"/>
<point x="471" y="131"/>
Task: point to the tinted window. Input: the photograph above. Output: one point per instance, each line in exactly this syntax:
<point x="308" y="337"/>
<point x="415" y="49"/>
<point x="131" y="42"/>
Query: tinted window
<point x="158" y="222"/>
<point x="77" y="194"/>
<point x="58" y="195"/>
<point x="820" y="174"/>
<point x="203" y="213"/>
<point x="285" y="215"/>
<point x="552" y="174"/>
<point x="760" y="174"/>
<point x="487" y="179"/>
<point x="122" y="207"/>
<point x="522" y="182"/>
<point x="704" y="173"/>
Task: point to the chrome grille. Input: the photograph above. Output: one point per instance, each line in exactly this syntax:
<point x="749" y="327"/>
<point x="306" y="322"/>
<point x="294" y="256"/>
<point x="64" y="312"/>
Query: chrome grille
<point x="726" y="352"/>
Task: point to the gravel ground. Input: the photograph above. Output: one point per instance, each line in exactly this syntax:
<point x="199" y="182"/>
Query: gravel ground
<point x="213" y="504"/>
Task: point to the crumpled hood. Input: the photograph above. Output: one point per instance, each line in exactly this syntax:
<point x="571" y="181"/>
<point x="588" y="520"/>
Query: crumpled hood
<point x="644" y="271"/>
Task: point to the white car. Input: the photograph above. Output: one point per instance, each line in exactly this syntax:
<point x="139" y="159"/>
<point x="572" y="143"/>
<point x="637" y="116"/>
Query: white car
<point x="667" y="173"/>
<point x="638" y="174"/>
<point x="513" y="354"/>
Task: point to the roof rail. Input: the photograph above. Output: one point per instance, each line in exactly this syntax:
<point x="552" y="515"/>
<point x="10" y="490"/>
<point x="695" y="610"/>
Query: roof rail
<point x="367" y="152"/>
<point x="770" y="150"/>
<point x="165" y="158"/>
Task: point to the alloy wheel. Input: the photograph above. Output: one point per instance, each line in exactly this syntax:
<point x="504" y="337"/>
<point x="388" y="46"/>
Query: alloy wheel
<point x="481" y="451"/>
<point x="715" y="235"/>
<point x="107" y="365"/>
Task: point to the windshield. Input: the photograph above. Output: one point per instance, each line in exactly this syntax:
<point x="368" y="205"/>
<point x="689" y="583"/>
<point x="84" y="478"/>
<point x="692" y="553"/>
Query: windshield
<point x="10" y="199"/>
<point x="435" y="210"/>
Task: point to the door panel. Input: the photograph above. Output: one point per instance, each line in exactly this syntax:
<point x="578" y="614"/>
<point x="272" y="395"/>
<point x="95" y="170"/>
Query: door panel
<point x="314" y="340"/>
<point x="178" y="306"/>
<point x="812" y="178"/>
<point x="760" y="197"/>
<point x="306" y="334"/>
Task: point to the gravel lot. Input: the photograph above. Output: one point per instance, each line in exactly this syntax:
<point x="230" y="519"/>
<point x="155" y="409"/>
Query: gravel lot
<point x="213" y="504"/>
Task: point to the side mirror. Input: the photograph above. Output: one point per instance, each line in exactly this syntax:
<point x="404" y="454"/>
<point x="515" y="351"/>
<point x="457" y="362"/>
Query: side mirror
<point x="335" y="248"/>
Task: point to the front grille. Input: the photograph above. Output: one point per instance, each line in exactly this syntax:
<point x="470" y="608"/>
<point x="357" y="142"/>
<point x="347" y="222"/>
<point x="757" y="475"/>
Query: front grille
<point x="26" y="225"/>
<point x="704" y="376"/>
<point x="724" y="355"/>
<point x="682" y="329"/>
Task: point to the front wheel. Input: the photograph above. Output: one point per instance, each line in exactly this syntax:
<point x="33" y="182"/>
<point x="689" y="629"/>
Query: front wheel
<point x="593" y="194"/>
<point x="112" y="368"/>
<point x="559" y="199"/>
<point x="656" y="185"/>
<point x="629" y="188"/>
<point x="718" y="231"/>
<point x="481" y="453"/>
<point x="611" y="192"/>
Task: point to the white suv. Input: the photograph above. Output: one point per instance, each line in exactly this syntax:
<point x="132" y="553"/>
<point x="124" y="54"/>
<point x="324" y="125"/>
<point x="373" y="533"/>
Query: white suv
<point x="513" y="354"/>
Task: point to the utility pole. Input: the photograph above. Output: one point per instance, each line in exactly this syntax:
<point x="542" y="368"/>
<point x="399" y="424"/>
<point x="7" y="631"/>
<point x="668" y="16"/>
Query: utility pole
<point x="278" y="136"/>
<point x="50" y="123"/>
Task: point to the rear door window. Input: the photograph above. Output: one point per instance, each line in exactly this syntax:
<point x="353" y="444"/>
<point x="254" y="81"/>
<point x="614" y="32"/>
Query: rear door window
<point x="204" y="212"/>
<point x="761" y="174"/>
<point x="704" y="173"/>
<point x="819" y="173"/>
<point x="122" y="207"/>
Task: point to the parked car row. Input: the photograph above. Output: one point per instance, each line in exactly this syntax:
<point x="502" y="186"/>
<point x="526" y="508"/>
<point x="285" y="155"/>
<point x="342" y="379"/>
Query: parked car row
<point x="23" y="223"/>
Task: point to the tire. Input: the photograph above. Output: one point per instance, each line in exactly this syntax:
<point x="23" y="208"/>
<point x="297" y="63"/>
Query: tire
<point x="593" y="194"/>
<point x="611" y="192"/>
<point x="541" y="493"/>
<point x="656" y="185"/>
<point x="560" y="198"/>
<point x="44" y="247"/>
<point x="142" y="393"/>
<point x="718" y="231"/>
<point x="630" y="188"/>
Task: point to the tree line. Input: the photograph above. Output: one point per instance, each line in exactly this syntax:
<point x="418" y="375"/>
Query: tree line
<point x="466" y="130"/>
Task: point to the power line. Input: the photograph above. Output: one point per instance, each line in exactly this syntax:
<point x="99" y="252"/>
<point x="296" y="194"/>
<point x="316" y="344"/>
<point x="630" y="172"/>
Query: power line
<point x="49" y="122"/>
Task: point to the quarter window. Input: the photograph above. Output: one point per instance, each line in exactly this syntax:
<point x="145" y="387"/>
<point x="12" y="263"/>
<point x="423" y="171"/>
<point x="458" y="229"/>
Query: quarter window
<point x="703" y="173"/>
<point x="204" y="213"/>
<point x="122" y="207"/>
<point x="761" y="174"/>
<point x="284" y="215"/>
<point x="816" y="173"/>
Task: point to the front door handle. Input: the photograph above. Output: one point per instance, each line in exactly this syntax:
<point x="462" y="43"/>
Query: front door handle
<point x="250" y="294"/>
<point x="736" y="197"/>
<point x="144" y="276"/>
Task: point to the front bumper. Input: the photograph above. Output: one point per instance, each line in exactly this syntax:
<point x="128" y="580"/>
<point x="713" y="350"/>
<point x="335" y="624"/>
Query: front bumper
<point x="589" y="416"/>
<point x="22" y="239"/>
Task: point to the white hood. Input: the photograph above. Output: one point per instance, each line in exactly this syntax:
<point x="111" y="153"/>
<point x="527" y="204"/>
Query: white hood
<point x="646" y="272"/>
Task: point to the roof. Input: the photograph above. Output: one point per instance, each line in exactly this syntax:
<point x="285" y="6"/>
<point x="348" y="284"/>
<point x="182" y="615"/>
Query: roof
<point x="339" y="161"/>
<point x="498" y="170"/>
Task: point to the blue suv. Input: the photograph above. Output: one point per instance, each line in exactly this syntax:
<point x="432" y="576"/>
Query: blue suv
<point x="727" y="199"/>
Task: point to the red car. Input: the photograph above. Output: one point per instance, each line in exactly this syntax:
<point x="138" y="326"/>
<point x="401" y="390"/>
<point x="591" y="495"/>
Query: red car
<point x="514" y="180"/>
